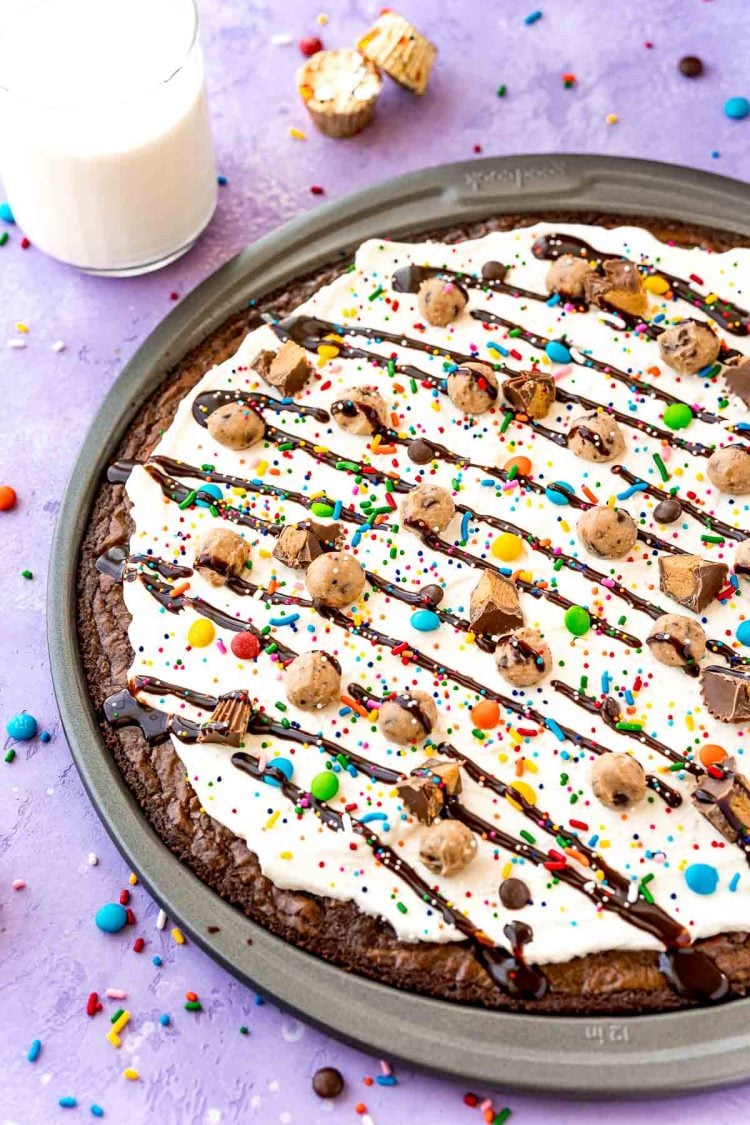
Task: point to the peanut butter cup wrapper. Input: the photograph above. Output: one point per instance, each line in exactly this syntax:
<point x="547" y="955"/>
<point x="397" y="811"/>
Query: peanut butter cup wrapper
<point x="393" y="44"/>
<point x="340" y="90"/>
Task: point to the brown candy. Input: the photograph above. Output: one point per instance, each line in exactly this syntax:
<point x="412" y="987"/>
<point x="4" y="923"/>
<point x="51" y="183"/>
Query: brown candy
<point x="440" y="301"/>
<point x="729" y="469"/>
<point x="689" y="346"/>
<point x="287" y="369"/>
<point x="668" y="511"/>
<point x="737" y="379"/>
<point x="691" y="66"/>
<point x="596" y="436"/>
<point x="327" y="1082"/>
<point x="300" y="543"/>
<point x="618" y="780"/>
<point x="221" y="554"/>
<point x="229" y="720"/>
<point x="530" y="392"/>
<point x="472" y="387"/>
<point x="494" y="606"/>
<point x="422" y="797"/>
<point x="726" y="694"/>
<point x="619" y="284"/>
<point x="235" y="425"/>
<point x="447" y="847"/>
<point x="361" y="410"/>
<point x="428" y="508"/>
<point x="447" y="772"/>
<point x="514" y="894"/>
<point x="408" y="718"/>
<point x="609" y="533"/>
<point x="676" y="641"/>
<point x="567" y="276"/>
<point x="725" y="801"/>
<point x="690" y="580"/>
<point x="335" y="579"/>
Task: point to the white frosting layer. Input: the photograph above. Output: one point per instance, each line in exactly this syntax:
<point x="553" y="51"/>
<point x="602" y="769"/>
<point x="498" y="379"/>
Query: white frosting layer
<point x="299" y="853"/>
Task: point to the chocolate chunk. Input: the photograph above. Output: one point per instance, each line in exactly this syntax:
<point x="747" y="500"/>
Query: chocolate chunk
<point x="287" y="369"/>
<point x="725" y="801"/>
<point x="422" y="797"/>
<point x="530" y="392"/>
<point x="691" y="66"/>
<point x="494" y="606"/>
<point x="327" y="1082"/>
<point x="494" y="271"/>
<point x="690" y="580"/>
<point x="726" y="694"/>
<point x="448" y="773"/>
<point x="514" y="894"/>
<point x="667" y="511"/>
<point x="619" y="284"/>
<point x="737" y="379"/>
<point x="300" y="543"/>
<point x="229" y="721"/>
<point x="420" y="452"/>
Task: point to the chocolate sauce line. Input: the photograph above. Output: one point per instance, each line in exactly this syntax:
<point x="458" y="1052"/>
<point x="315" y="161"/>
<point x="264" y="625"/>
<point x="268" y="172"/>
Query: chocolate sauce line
<point x="206" y="403"/>
<point x="666" y="437"/>
<point x="409" y="278"/>
<point x="610" y="714"/>
<point x="551" y="246"/>
<point x="310" y="332"/>
<point x="710" y="522"/>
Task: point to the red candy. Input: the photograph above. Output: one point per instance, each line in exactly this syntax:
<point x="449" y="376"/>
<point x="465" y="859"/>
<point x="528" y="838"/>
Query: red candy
<point x="8" y="498"/>
<point x="245" y="646"/>
<point x="310" y="45"/>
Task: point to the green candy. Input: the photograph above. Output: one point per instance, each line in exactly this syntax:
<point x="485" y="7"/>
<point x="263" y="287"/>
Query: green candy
<point x="678" y="416"/>
<point x="577" y="620"/>
<point x="319" y="508"/>
<point x="324" y="785"/>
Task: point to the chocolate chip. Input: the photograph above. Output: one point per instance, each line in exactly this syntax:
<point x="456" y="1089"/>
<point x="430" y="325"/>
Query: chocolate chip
<point x="667" y="511"/>
<point x="691" y="66"/>
<point x="514" y="894"/>
<point x="419" y="452"/>
<point x="327" y="1082"/>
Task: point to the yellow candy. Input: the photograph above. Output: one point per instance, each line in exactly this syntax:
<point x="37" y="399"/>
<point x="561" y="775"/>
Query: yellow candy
<point x="525" y="791"/>
<point x="507" y="547"/>
<point x="327" y="351"/>
<point x="201" y="633"/>
<point x="655" y="284"/>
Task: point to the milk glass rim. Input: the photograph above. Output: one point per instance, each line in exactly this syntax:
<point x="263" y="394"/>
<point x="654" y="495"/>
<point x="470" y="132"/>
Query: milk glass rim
<point x="127" y="98"/>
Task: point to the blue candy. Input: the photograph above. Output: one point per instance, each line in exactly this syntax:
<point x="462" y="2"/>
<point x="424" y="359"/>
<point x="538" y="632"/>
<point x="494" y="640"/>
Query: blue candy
<point x="22" y="727"/>
<point x="702" y="878"/>
<point x="6" y="214"/>
<point x="743" y="633"/>
<point x="212" y="490"/>
<point x="737" y="108"/>
<point x="557" y="352"/>
<point x="284" y="766"/>
<point x="111" y="917"/>
<point x="555" y="492"/>
<point x="425" y="620"/>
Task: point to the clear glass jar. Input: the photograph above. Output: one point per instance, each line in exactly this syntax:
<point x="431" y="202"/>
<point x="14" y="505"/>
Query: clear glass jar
<point x="105" y="146"/>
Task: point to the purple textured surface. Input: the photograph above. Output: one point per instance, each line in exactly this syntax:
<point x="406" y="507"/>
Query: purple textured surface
<point x="201" y="1068"/>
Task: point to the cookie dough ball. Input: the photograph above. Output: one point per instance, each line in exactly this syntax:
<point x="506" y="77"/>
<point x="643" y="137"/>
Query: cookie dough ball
<point x="221" y="554"/>
<point x="440" y="301"/>
<point x="596" y="436"/>
<point x="428" y="508"/>
<point x="447" y="847"/>
<point x="472" y="387"/>
<point x="567" y="275"/>
<point x="676" y="640"/>
<point x="618" y="780"/>
<point x="335" y="579"/>
<point x="235" y="425"/>
<point x="313" y="680"/>
<point x="408" y="718"/>
<point x="361" y="410"/>
<point x="689" y="346"/>
<point x="522" y="657"/>
<point x="607" y="532"/>
<point x="729" y="469"/>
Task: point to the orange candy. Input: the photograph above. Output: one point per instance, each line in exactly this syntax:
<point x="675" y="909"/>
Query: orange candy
<point x="486" y="715"/>
<point x="710" y="754"/>
<point x="7" y="498"/>
<point x="522" y="463"/>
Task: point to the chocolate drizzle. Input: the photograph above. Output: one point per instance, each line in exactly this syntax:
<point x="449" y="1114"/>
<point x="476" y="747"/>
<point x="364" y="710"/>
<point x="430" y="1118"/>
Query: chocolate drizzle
<point x="712" y="524"/>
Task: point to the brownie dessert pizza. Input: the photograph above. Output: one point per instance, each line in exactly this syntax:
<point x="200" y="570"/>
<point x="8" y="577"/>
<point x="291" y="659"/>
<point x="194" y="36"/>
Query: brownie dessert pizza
<point x="413" y="611"/>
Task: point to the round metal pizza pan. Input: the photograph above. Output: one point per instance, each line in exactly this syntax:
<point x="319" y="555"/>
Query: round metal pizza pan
<point x="597" y="1056"/>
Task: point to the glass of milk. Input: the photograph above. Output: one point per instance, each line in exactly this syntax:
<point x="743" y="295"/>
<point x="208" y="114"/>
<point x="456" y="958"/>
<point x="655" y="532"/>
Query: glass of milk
<point x="105" y="147"/>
